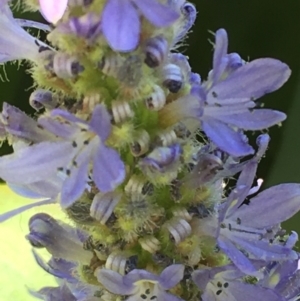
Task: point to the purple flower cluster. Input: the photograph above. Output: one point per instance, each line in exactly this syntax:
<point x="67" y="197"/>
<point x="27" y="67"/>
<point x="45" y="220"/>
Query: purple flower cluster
<point x="136" y="150"/>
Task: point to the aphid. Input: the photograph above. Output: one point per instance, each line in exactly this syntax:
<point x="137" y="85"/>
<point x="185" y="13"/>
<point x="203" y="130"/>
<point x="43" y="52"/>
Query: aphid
<point x="73" y="3"/>
<point x="172" y="78"/>
<point x="121" y="111"/>
<point x="157" y="99"/>
<point x="179" y="229"/>
<point x="40" y="99"/>
<point x="166" y="138"/>
<point x="131" y="263"/>
<point x="141" y="144"/>
<point x="103" y="205"/>
<point x="156" y="50"/>
<point x="110" y="65"/>
<point x="161" y="259"/>
<point x="200" y="211"/>
<point x="150" y="244"/>
<point x="66" y="66"/>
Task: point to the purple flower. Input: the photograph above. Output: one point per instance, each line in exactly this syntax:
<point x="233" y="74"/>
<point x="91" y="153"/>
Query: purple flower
<point x="59" y="293"/>
<point x="230" y="94"/>
<point x="18" y="125"/>
<point x="283" y="278"/>
<point x="142" y="284"/>
<point x="248" y="229"/>
<point x="121" y="21"/>
<point x="225" y="103"/>
<point x="225" y="283"/>
<point x="69" y="157"/>
<point x="60" y="240"/>
<point x="87" y="26"/>
<point x="15" y="42"/>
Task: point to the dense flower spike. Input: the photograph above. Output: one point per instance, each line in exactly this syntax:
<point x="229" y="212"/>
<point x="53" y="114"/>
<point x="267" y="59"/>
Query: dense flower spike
<point x="137" y="149"/>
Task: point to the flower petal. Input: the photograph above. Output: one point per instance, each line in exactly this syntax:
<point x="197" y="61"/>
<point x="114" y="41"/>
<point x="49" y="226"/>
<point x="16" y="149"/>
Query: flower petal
<point x="108" y="169"/>
<point x="100" y="122"/>
<point x="35" y="163"/>
<point x="237" y="257"/>
<point x="252" y="80"/>
<point x="158" y="14"/>
<point x="121" y="25"/>
<point x="255" y="120"/>
<point x="226" y="138"/>
<point x="219" y="60"/>
<point x="75" y="183"/>
<point x="171" y="275"/>
<point x="113" y="282"/>
<point x="249" y="292"/>
<point x="58" y="238"/>
<point x="272" y="206"/>
<point x="53" y="10"/>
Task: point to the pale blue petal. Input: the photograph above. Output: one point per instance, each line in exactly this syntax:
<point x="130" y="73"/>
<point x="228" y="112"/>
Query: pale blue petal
<point x="108" y="169"/>
<point x="35" y="163"/>
<point x="252" y="80"/>
<point x="121" y="25"/>
<point x="219" y="60"/>
<point x="100" y="122"/>
<point x="158" y="14"/>
<point x="272" y="206"/>
<point x="255" y="120"/>
<point x="171" y="275"/>
<point x="113" y="282"/>
<point x="226" y="138"/>
<point x="237" y="257"/>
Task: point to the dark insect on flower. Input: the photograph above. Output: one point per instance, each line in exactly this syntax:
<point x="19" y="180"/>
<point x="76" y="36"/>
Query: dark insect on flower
<point x="161" y="259"/>
<point x="172" y="78"/>
<point x="42" y="99"/>
<point x="131" y="263"/>
<point x="66" y="66"/>
<point x="156" y="100"/>
<point x="156" y="50"/>
<point x="200" y="211"/>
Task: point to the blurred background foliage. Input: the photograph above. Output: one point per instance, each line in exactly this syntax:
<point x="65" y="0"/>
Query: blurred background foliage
<point x="256" y="28"/>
